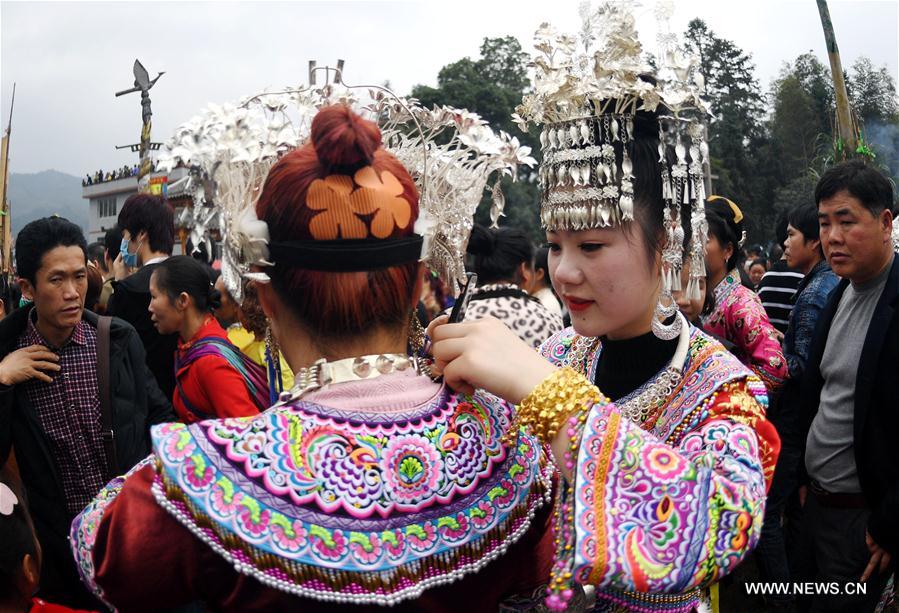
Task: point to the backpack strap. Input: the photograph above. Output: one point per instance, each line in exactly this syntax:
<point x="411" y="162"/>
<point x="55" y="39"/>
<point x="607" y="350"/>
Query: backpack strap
<point x="107" y="433"/>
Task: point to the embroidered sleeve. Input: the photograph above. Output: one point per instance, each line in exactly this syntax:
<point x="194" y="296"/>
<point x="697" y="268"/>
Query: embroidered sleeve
<point x="83" y="532"/>
<point x="752" y="332"/>
<point x="653" y="517"/>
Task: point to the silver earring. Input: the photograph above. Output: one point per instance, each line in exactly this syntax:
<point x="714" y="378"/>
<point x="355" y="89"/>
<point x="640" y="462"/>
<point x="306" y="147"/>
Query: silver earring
<point x="663" y="313"/>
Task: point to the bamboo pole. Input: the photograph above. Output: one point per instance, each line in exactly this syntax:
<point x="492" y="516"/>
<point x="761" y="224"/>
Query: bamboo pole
<point x="5" y="212"/>
<point x="845" y="125"/>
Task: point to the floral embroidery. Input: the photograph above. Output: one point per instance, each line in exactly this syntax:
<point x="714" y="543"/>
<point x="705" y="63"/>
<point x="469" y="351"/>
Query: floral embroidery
<point x="740" y="318"/>
<point x="362" y="470"/>
<point x="421" y="537"/>
<point x="662" y="463"/>
<point x="83" y="533"/>
<point x="196" y="472"/>
<point x="671" y="505"/>
<point x="412" y="468"/>
<point x="289" y="535"/>
<point x="292" y="492"/>
<point x="366" y="548"/>
<point x="330" y="545"/>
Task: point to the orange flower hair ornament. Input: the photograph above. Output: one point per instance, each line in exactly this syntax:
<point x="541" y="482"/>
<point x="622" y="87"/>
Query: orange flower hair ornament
<point x="343" y="200"/>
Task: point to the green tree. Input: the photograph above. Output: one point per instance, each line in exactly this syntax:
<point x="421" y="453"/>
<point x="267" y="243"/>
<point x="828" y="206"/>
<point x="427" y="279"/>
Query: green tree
<point x="736" y="129"/>
<point x="815" y="80"/>
<point x="872" y="92"/>
<point x="796" y="128"/>
<point x="492" y="86"/>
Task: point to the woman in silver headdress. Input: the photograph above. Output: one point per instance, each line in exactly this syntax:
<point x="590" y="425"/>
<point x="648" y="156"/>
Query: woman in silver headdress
<point x="659" y="432"/>
<point x="368" y="484"/>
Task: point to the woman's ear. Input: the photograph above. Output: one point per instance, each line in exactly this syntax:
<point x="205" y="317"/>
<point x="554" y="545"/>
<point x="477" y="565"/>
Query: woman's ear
<point x="728" y="252"/>
<point x="29" y="578"/>
<point x="267" y="299"/>
<point x="419" y="284"/>
<point x="182" y="301"/>
<point x="526" y="274"/>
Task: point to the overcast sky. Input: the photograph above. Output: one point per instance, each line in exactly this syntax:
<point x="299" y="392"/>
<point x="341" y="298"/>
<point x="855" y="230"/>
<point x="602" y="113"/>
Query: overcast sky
<point x="68" y="59"/>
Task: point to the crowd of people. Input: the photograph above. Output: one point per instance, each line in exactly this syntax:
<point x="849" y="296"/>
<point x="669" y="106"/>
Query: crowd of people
<point x="615" y="422"/>
<point x="103" y="177"/>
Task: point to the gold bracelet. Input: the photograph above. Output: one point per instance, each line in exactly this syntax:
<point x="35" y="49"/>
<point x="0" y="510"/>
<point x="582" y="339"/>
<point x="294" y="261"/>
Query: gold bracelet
<point x="545" y="409"/>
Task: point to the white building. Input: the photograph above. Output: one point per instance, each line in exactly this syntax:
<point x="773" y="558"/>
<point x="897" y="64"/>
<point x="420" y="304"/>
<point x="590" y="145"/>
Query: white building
<point x="106" y="200"/>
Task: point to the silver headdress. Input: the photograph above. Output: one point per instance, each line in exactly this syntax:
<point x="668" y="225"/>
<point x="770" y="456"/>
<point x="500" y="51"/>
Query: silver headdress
<point x="451" y="155"/>
<point x="588" y="90"/>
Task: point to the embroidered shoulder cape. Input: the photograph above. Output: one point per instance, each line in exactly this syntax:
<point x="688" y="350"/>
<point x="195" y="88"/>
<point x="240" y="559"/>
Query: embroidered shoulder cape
<point x="673" y="504"/>
<point x="345" y="506"/>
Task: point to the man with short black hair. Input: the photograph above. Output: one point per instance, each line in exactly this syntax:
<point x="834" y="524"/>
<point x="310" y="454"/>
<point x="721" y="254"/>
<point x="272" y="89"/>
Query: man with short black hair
<point x="147" y="224"/>
<point x="849" y="396"/>
<point x="779" y="284"/>
<point x="50" y="400"/>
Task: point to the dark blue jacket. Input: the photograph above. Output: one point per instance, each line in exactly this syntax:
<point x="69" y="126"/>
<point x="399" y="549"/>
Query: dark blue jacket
<point x="808" y="302"/>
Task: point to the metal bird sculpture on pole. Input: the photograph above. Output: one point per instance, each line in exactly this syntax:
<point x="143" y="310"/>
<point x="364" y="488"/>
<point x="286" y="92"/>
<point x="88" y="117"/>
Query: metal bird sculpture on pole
<point x="143" y="84"/>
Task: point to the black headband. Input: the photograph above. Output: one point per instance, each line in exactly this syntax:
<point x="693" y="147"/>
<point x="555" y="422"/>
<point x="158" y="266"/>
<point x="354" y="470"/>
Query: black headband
<point x="357" y="255"/>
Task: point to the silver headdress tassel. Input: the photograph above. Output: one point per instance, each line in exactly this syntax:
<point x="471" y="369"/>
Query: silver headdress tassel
<point x="588" y="91"/>
<point x="450" y="154"/>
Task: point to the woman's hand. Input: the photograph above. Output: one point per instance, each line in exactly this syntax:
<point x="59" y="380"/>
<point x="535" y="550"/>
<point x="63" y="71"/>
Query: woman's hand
<point x="485" y="354"/>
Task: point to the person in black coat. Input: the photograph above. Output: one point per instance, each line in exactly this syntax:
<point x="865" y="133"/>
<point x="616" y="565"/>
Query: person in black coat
<point x="49" y="409"/>
<point x="148" y="235"/>
<point x="849" y="395"/>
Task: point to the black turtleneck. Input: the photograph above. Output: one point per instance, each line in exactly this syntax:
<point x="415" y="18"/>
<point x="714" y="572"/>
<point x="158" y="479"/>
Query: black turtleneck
<point x="627" y="364"/>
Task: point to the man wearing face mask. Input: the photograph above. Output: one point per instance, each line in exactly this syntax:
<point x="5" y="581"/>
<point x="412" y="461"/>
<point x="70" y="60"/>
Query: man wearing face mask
<point x="147" y="223"/>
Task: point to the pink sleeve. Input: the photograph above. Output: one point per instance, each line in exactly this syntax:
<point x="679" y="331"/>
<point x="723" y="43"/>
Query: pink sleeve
<point x="750" y="329"/>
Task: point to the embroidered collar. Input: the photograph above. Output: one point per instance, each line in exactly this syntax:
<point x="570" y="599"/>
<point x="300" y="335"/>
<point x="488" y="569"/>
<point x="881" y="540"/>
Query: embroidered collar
<point x="330" y="506"/>
<point x="730" y="282"/>
<point x="703" y="355"/>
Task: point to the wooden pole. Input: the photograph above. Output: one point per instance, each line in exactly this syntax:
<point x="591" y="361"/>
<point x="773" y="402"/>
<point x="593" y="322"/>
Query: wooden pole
<point x="5" y="212"/>
<point x="845" y="126"/>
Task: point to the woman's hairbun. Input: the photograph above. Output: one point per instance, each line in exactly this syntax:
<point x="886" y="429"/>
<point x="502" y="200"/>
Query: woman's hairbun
<point x="723" y="208"/>
<point x="482" y="241"/>
<point x="342" y="138"/>
<point x="214" y="298"/>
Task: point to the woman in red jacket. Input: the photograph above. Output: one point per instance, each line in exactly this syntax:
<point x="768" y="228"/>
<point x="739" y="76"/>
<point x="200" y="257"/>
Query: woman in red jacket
<point x="214" y="379"/>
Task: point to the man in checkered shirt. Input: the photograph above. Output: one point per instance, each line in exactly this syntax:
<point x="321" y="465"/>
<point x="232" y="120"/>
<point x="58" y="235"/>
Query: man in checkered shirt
<point x="50" y="401"/>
